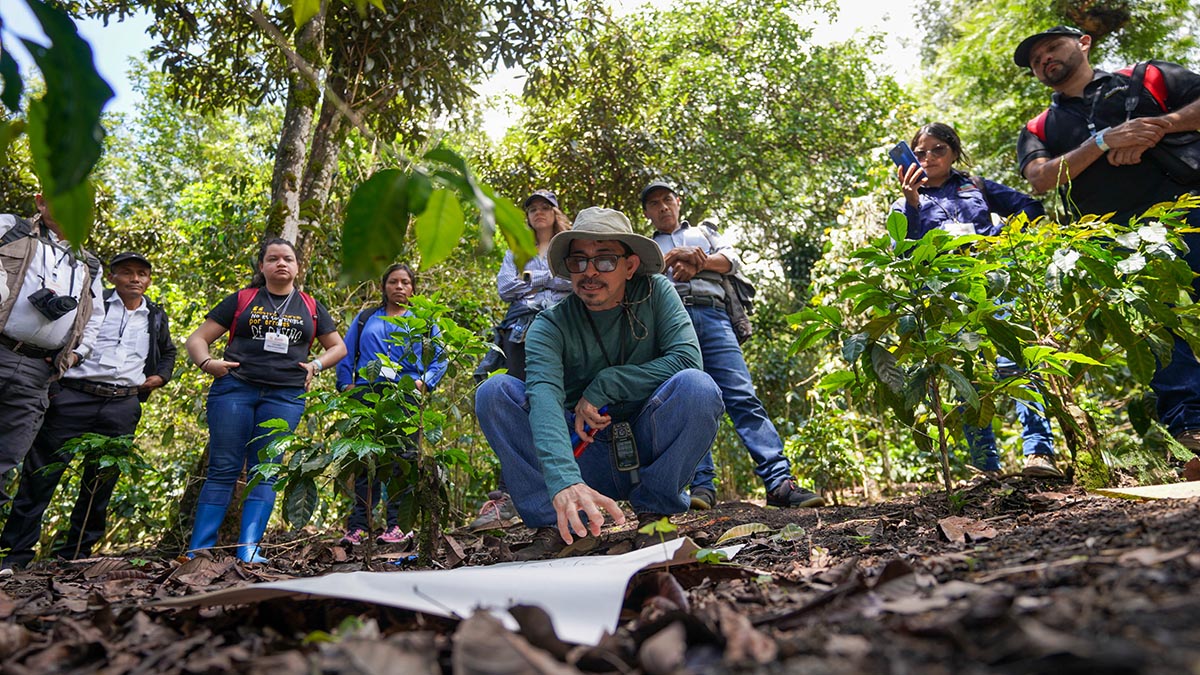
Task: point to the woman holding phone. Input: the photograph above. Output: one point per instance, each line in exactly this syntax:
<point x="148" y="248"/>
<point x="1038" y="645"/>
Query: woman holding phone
<point x="938" y="196"/>
<point x="527" y="293"/>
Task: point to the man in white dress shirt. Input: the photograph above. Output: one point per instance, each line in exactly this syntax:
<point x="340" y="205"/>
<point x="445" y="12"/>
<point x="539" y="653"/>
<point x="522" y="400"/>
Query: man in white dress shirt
<point x="50" y="314"/>
<point x="133" y="355"/>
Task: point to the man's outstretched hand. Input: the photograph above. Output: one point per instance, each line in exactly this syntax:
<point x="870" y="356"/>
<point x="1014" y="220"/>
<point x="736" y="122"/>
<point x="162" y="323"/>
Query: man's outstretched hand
<point x="579" y="497"/>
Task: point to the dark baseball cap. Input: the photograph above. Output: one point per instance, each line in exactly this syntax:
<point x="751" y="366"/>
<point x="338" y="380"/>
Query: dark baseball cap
<point x="657" y="185"/>
<point x="1021" y="56"/>
<point x="541" y="194"/>
<point x="126" y="256"/>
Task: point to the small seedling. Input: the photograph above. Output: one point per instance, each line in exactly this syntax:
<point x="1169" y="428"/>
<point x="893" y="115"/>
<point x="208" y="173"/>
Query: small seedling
<point x="712" y="556"/>
<point x="661" y="527"/>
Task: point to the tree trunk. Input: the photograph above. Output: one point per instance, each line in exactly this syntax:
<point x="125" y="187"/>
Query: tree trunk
<point x="321" y="168"/>
<point x="303" y="97"/>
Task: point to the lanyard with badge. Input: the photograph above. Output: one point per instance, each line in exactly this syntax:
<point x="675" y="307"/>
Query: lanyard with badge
<point x="275" y="341"/>
<point x="624" y="449"/>
<point x="113" y="358"/>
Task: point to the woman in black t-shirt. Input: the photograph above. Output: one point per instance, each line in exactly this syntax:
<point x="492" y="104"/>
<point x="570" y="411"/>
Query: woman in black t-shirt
<point x="261" y="376"/>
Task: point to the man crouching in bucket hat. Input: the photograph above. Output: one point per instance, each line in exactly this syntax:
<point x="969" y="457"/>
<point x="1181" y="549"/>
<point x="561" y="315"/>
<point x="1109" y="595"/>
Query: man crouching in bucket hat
<point x="614" y="405"/>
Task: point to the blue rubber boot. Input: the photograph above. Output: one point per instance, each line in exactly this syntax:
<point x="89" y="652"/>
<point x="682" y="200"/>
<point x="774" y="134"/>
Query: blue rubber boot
<point x="206" y="526"/>
<point x="255" y="514"/>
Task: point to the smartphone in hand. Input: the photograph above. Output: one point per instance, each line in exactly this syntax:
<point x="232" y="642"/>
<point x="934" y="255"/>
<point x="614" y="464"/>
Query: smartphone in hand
<point x="903" y="156"/>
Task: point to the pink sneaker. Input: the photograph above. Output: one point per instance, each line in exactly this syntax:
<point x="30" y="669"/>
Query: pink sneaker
<point x="354" y="537"/>
<point x="394" y="535"/>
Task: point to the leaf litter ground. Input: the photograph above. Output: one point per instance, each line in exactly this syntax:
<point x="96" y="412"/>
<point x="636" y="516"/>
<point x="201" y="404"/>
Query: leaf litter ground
<point x="1025" y="576"/>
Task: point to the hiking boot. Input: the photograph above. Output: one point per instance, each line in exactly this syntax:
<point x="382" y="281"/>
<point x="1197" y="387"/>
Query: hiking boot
<point x="1041" y="466"/>
<point x="498" y="512"/>
<point x="642" y="540"/>
<point x="546" y="544"/>
<point x="1189" y="439"/>
<point x="354" y="537"/>
<point x="980" y="476"/>
<point x="394" y="535"/>
<point x="703" y="498"/>
<point x="787" y="496"/>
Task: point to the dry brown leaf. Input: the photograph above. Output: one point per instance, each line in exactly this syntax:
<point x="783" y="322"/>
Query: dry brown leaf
<point x="455" y="555"/>
<point x="201" y="571"/>
<point x="1149" y="555"/>
<point x="664" y="652"/>
<point x="538" y="629"/>
<point x="958" y="529"/>
<point x="106" y="566"/>
<point x="743" y="642"/>
<point x="13" y="637"/>
<point x="741" y="531"/>
<point x="379" y="657"/>
<point x="854" y="647"/>
<point x="482" y="646"/>
<point x="6" y="605"/>
<point x="914" y="604"/>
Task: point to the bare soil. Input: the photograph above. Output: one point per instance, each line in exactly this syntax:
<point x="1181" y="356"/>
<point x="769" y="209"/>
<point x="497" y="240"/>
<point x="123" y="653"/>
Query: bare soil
<point x="1019" y="576"/>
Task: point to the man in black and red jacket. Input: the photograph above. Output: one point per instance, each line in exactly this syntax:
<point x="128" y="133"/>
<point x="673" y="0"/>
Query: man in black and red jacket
<point x="1104" y="157"/>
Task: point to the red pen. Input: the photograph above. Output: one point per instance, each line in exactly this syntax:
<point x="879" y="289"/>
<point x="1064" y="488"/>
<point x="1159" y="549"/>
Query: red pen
<point x="580" y="444"/>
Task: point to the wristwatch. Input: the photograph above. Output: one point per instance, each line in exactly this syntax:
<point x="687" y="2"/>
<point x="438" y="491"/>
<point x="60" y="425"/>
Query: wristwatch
<point x="1099" y="138"/>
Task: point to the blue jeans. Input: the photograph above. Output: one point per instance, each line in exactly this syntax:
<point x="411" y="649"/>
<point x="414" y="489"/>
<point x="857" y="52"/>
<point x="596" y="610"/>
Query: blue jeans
<point x="673" y="430"/>
<point x="1036" y="437"/>
<point x="724" y="362"/>
<point x="1178" y="384"/>
<point x="235" y="411"/>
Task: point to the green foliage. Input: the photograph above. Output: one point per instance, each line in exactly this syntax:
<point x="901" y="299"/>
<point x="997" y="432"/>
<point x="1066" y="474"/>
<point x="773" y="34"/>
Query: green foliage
<point x="711" y="556"/>
<point x="732" y="101"/>
<point x="111" y="455"/>
<point x="63" y="125"/>
<point x="934" y="314"/>
<point x="971" y="81"/>
<point x="378" y="213"/>
<point x="366" y="432"/>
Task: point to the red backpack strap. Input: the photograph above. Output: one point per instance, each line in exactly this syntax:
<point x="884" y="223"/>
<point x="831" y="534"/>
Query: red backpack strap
<point x="1156" y="85"/>
<point x="244" y="298"/>
<point x="311" y="304"/>
<point x="1037" y="125"/>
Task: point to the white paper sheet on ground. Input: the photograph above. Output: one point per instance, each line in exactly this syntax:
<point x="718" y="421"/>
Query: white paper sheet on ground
<point x="582" y="595"/>
<point x="1170" y="491"/>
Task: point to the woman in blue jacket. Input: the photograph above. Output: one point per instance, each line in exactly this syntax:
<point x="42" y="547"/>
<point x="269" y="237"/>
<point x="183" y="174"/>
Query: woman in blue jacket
<point x="368" y="338"/>
<point x="939" y="197"/>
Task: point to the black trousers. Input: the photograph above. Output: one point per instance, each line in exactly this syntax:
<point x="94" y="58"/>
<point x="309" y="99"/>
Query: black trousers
<point x="23" y="384"/>
<point x="71" y="414"/>
<point x="366" y="493"/>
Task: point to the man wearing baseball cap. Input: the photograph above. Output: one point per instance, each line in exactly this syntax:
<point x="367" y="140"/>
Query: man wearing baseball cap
<point x="1104" y="142"/>
<point x="695" y="259"/>
<point x="617" y="365"/>
<point x="133" y="355"/>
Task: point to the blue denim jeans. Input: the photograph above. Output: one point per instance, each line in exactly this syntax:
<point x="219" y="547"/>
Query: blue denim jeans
<point x="235" y="411"/>
<point x="673" y="430"/>
<point x="1036" y="436"/>
<point x="1178" y="384"/>
<point x="724" y="362"/>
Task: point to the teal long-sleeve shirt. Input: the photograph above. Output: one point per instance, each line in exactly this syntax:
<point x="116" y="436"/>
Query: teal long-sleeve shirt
<point x="564" y="363"/>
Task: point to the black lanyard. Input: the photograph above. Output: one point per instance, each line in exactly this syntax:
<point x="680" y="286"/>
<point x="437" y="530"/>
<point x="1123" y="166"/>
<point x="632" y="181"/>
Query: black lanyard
<point x="600" y="343"/>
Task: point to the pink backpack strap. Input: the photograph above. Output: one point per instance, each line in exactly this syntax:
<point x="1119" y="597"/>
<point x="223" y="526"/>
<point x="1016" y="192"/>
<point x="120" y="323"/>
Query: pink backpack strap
<point x="244" y="298"/>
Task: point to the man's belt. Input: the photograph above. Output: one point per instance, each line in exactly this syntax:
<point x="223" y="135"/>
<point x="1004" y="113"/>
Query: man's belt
<point x="701" y="301"/>
<point x="98" y="388"/>
<point x="25" y="349"/>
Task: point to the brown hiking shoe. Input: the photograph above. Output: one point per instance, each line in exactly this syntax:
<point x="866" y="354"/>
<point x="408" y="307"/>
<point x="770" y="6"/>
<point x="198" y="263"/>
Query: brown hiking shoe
<point x="548" y="543"/>
<point x="1041" y="466"/>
